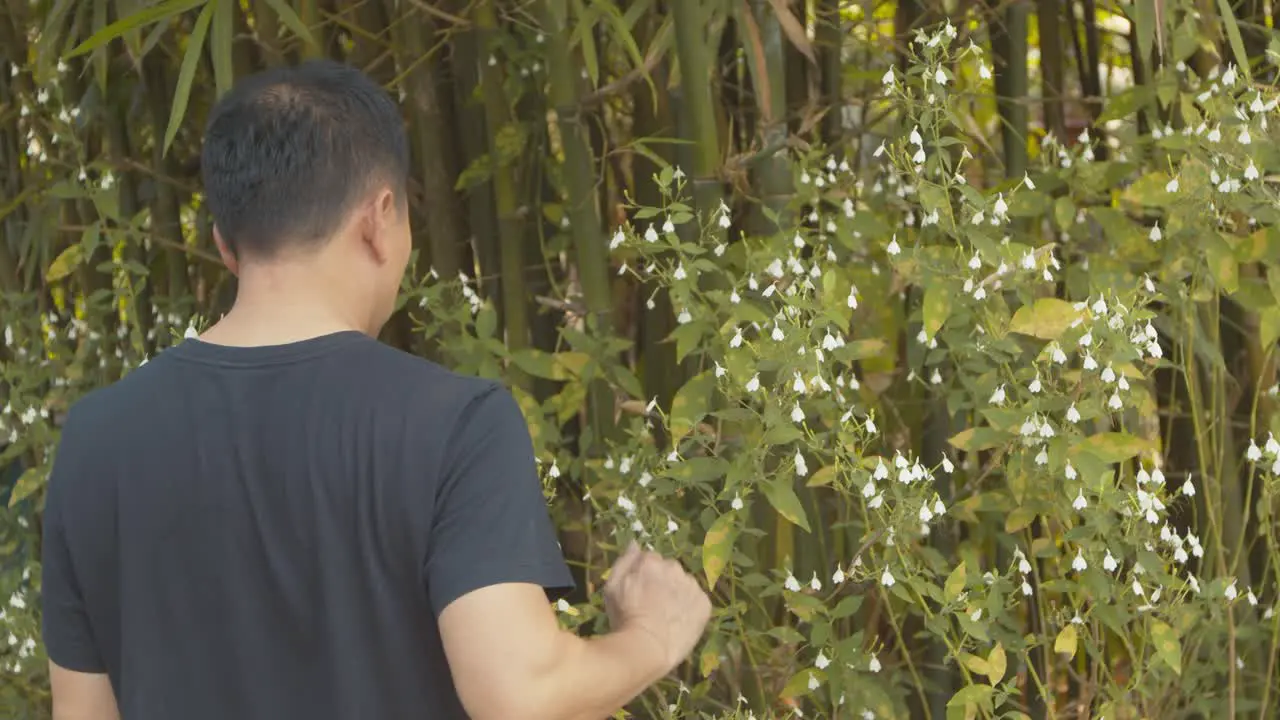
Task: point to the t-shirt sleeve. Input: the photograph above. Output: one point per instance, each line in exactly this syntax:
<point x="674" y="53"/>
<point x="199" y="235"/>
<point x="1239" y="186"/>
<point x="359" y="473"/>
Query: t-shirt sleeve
<point x="491" y="524"/>
<point x="65" y="626"/>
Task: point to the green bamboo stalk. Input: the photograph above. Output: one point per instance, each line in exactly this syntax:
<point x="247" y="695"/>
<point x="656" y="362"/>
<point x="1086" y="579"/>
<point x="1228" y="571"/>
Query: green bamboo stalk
<point x="829" y="38"/>
<point x="1009" y="46"/>
<point x="772" y="175"/>
<point x="506" y="200"/>
<point x="1052" y="66"/>
<point x="690" y="18"/>
<point x="660" y="373"/>
<point x="165" y="210"/>
<point x="473" y="133"/>
<point x="584" y="216"/>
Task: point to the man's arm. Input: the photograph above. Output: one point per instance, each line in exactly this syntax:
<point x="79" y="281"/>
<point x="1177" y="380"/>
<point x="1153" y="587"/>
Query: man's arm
<point x="509" y="658"/>
<point x="81" y="696"/>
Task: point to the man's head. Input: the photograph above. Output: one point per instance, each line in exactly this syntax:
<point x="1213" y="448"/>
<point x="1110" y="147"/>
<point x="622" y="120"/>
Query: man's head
<point x="306" y="167"/>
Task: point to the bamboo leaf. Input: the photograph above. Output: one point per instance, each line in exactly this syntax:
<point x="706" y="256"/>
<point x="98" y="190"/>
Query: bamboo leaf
<point x="156" y="13"/>
<point x="1233" y="35"/>
<point x="585" y="31"/>
<point x="622" y="30"/>
<point x="1143" y="12"/>
<point x="291" y="20"/>
<point x="187" y="74"/>
<point x="220" y="44"/>
<point x="757" y="63"/>
<point x="717" y="547"/>
<point x="793" y="29"/>
<point x="782" y="496"/>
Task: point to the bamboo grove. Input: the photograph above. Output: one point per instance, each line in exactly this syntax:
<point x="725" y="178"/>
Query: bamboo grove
<point x="542" y="130"/>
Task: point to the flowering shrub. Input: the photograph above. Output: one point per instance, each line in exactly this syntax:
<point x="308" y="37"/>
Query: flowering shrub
<point x="922" y="453"/>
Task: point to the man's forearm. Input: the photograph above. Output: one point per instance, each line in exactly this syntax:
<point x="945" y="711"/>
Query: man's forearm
<point x="597" y="676"/>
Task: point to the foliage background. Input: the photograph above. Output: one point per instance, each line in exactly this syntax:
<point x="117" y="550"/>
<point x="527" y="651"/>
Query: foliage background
<point x="936" y="335"/>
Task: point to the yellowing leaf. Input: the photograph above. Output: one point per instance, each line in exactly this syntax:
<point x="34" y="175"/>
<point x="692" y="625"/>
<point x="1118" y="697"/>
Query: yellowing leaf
<point x="782" y="496"/>
<point x="1018" y="519"/>
<point x="717" y="547"/>
<point x="824" y="476"/>
<point x="690" y="404"/>
<point x="1168" y="647"/>
<point x="997" y="664"/>
<point x="937" y="308"/>
<point x="1066" y="642"/>
<point x="28" y="483"/>
<point x="955" y="583"/>
<point x="1046" y="318"/>
<point x="975" y="663"/>
<point x="67" y="261"/>
<point x="1112" y="447"/>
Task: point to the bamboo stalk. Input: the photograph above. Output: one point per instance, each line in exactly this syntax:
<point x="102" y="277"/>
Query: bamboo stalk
<point x="1052" y="66"/>
<point x="690" y="20"/>
<point x="830" y="41"/>
<point x="584" y="215"/>
<point x="1009" y="46"/>
<point x="515" y="300"/>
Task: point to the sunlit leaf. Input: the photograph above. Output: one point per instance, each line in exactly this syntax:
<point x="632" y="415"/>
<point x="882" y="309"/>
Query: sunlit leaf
<point x="782" y="496"/>
<point x="1046" y="318"/>
<point x="717" y="548"/>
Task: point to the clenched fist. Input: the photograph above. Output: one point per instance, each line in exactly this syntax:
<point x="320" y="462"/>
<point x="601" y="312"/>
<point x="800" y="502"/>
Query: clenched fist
<point x="646" y="590"/>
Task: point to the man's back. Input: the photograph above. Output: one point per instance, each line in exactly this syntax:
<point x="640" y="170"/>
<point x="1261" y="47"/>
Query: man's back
<point x="271" y="532"/>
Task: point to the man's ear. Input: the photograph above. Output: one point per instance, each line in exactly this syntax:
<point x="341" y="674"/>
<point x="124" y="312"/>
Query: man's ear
<point x="380" y="217"/>
<point x="225" y="252"/>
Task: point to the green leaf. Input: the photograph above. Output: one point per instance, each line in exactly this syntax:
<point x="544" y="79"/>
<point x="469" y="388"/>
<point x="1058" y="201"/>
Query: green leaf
<point x="997" y="664"/>
<point x="690" y="404"/>
<point x="1126" y="103"/>
<point x="28" y="483"/>
<point x="1168" y="647"/>
<point x="220" y="45"/>
<point x="782" y="496"/>
<point x="937" y="307"/>
<point x="187" y="74"/>
<point x="717" y="548"/>
<point x="798" y="685"/>
<point x="1046" y="318"/>
<point x="955" y="583"/>
<point x="156" y="13"/>
<point x="846" y="607"/>
<point x="1111" y="447"/>
<point x="66" y="262"/>
<point x="290" y="19"/>
<point x="1066" y="642"/>
<point x="1144" y="22"/>
<point x="1233" y="34"/>
<point x="975" y="664"/>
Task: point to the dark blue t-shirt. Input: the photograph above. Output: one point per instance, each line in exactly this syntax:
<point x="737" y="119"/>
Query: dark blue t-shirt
<point x="270" y="533"/>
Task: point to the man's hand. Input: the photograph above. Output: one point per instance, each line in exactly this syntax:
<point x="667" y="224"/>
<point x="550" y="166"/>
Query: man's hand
<point x="647" y="591"/>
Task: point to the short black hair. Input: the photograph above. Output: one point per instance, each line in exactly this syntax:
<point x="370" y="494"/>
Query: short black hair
<point x="290" y="150"/>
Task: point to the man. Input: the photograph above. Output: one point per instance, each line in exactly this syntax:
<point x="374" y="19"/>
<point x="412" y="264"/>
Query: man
<point x="284" y="518"/>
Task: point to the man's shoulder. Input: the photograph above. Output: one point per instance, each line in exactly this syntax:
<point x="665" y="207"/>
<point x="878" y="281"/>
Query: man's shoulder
<point x="419" y="380"/>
